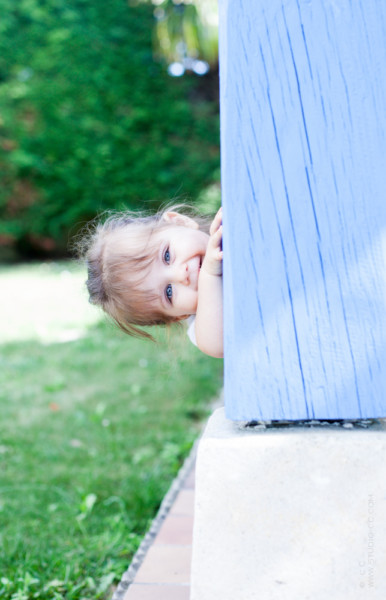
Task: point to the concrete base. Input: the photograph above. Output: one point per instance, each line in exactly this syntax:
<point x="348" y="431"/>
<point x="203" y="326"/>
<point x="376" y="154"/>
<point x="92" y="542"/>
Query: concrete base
<point x="290" y="513"/>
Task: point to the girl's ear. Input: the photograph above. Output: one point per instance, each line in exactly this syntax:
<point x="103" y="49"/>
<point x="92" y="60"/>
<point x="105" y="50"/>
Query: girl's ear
<point x="178" y="219"/>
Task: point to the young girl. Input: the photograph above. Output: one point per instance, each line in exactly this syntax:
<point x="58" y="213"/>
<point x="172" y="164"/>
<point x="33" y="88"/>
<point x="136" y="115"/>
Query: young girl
<point x="159" y="269"/>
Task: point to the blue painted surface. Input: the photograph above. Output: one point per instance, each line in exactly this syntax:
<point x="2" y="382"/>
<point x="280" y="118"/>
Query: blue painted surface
<point x="303" y="124"/>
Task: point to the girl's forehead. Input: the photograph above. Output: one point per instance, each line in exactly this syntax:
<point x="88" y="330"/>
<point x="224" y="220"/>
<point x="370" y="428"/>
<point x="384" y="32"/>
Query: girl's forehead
<point x="171" y="229"/>
<point x="161" y="233"/>
<point x="133" y="240"/>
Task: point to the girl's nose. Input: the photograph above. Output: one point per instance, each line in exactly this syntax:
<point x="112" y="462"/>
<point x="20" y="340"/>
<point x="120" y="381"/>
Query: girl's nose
<point x="183" y="274"/>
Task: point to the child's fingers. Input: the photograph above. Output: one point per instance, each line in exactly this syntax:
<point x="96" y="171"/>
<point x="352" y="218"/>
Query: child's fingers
<point x="218" y="218"/>
<point x="217" y="255"/>
<point x="214" y="255"/>
<point x="213" y="227"/>
<point x="216" y="238"/>
<point x="219" y="214"/>
<point x="217" y="221"/>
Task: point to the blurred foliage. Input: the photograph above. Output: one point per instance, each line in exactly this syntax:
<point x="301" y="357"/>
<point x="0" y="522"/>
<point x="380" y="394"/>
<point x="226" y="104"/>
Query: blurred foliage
<point x="186" y="31"/>
<point x="90" y="121"/>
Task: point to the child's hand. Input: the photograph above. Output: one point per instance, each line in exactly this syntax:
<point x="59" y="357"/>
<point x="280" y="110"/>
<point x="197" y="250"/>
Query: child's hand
<point x="209" y="316"/>
<point x="212" y="263"/>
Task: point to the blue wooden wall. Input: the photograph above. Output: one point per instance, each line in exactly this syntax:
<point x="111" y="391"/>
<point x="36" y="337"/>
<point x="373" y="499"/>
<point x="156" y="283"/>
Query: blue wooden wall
<point x="303" y="124"/>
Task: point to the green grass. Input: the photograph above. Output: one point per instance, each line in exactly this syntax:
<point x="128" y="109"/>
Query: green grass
<point x="93" y="431"/>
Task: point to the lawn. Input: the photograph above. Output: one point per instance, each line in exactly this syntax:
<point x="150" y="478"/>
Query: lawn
<point x="94" y="427"/>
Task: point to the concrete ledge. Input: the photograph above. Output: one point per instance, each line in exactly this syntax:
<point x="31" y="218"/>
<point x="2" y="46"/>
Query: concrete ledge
<point x="290" y="513"/>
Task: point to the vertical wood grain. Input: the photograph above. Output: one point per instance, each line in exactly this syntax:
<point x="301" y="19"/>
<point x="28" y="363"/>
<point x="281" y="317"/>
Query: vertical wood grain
<point x="303" y="113"/>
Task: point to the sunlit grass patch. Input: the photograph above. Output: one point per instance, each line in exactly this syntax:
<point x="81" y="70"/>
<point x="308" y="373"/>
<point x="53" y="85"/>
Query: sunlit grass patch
<point x="45" y="302"/>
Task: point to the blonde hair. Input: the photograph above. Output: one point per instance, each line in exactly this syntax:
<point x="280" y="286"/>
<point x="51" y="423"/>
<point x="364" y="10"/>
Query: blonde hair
<point x="118" y="252"/>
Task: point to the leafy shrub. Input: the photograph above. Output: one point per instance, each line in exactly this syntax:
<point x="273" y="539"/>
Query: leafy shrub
<point x="89" y="121"/>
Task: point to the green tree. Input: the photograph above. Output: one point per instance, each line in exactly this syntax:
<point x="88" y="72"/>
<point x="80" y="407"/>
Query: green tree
<point x="89" y="121"/>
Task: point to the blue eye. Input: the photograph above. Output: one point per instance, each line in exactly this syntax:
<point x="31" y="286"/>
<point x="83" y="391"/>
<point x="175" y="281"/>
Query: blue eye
<point x="169" y="292"/>
<point x="167" y="256"/>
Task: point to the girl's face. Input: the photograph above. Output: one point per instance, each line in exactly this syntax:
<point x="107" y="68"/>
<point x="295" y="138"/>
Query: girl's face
<point x="173" y="274"/>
